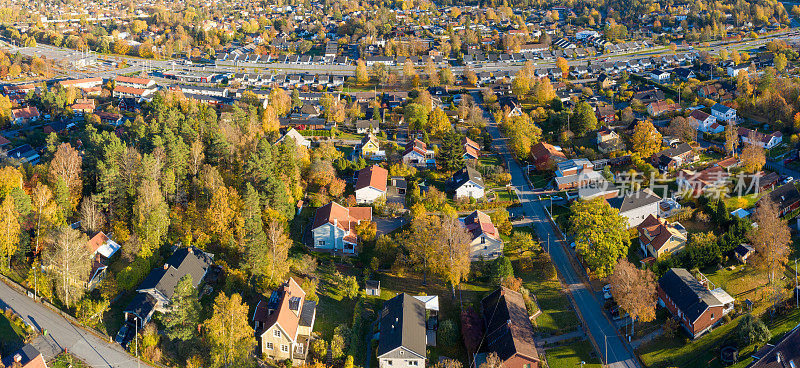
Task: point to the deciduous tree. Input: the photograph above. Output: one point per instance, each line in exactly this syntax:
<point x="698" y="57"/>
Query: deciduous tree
<point x="601" y="235"/>
<point x="9" y="228"/>
<point x="634" y="290"/>
<point x="646" y="139"/>
<point x="231" y="343"/>
<point x="753" y="156"/>
<point x="184" y="311"/>
<point x="68" y="259"/>
<point x="771" y="238"/>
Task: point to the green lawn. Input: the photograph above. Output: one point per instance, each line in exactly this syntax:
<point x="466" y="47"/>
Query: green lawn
<point x="571" y="356"/>
<point x="332" y="308"/>
<point x="540" y="179"/>
<point x="66" y="360"/>
<point x="11" y="336"/>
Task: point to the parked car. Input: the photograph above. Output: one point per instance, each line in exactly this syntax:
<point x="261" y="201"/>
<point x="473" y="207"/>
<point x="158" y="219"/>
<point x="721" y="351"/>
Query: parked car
<point x="788" y="179"/>
<point x="607" y="292"/>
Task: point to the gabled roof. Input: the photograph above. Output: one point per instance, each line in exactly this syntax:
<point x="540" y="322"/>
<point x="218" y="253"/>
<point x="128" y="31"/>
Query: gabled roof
<point x="294" y="134"/>
<point x="681" y="149"/>
<point x="402" y="324"/>
<point x="416" y="146"/>
<point x="656" y="232"/>
<point x="185" y="261"/>
<point x="785" y="195"/>
<point x="132" y="80"/>
<point x="28" y="356"/>
<point x="466" y="174"/>
<point x="544" y="149"/>
<point x="479" y="223"/>
<point x="699" y="115"/>
<point x="370" y="138"/>
<point x="783" y="354"/>
<point x="373" y="176"/>
<point x="508" y="329"/>
<point x="343" y="217"/>
<point x="287" y="303"/>
<point x="691" y="297"/>
<point x="634" y="200"/>
<point x="25" y="112"/>
<point x="102" y="244"/>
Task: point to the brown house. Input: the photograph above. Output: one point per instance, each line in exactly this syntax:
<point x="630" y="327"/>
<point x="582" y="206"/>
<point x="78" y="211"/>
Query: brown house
<point x="509" y="332"/>
<point x="545" y="156"/>
<point x="691" y="303"/>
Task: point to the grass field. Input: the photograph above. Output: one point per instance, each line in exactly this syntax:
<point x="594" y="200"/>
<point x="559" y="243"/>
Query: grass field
<point x="66" y="360"/>
<point x="571" y="356"/>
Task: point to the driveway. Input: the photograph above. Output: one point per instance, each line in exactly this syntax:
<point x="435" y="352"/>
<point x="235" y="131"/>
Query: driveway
<point x="62" y="335"/>
<point x="613" y="348"/>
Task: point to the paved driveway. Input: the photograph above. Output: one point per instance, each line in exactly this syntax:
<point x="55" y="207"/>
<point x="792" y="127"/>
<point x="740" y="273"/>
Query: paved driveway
<point x="63" y="335"/>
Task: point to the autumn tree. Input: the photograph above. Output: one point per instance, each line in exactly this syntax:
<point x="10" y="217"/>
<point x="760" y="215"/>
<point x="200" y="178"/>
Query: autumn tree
<point x="646" y="139"/>
<point x="66" y="166"/>
<point x="92" y="218"/>
<point x="421" y="238"/>
<point x="731" y="138"/>
<point x="771" y="238"/>
<point x="753" y="156"/>
<point x="9" y="228"/>
<point x="682" y="128"/>
<point x="45" y="209"/>
<point x="634" y="290"/>
<point x="151" y="216"/>
<point x="184" y="311"/>
<point x="780" y="62"/>
<point x="362" y="77"/>
<point x="455" y="260"/>
<point x="439" y="123"/>
<point x="601" y="235"/>
<point x="563" y="65"/>
<point x="231" y="343"/>
<point x="279" y="244"/>
<point x="69" y="261"/>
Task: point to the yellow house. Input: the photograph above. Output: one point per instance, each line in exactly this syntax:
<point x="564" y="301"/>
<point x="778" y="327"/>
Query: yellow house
<point x="369" y="145"/>
<point x="284" y="323"/>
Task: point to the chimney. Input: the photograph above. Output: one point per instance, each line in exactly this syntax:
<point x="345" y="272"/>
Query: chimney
<point x="191" y="250"/>
<point x="18" y="358"/>
<point x="335" y="222"/>
<point x="166" y="266"/>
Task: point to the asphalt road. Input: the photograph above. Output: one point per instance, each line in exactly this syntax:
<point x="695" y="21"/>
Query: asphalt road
<point x="617" y="352"/>
<point x="61" y="334"/>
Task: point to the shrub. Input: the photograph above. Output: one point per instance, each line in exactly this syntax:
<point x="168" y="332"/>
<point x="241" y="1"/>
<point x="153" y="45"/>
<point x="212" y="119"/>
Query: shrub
<point x="751" y="330"/>
<point x="448" y="333"/>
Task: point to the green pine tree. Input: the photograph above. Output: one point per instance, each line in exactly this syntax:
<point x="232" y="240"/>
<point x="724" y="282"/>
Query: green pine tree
<point x="181" y="322"/>
<point x="451" y="152"/>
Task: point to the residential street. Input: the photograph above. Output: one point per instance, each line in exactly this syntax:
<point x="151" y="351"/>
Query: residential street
<point x="63" y="335"/>
<point x="600" y="328"/>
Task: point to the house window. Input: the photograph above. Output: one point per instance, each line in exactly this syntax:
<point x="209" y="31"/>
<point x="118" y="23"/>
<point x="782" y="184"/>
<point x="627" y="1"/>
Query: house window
<point x="388" y="362"/>
<point x="712" y="316"/>
<point x="285" y="348"/>
<point x="270" y="346"/>
<point x="299" y="349"/>
<point x="276" y="333"/>
<point x="321" y="242"/>
<point x="413" y="363"/>
<point x="483" y="240"/>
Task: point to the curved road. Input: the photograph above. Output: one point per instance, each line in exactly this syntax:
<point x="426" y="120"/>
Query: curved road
<point x="61" y="334"/>
<point x="602" y="331"/>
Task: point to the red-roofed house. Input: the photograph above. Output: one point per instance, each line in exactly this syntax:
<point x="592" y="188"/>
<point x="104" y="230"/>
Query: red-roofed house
<point x="705" y="122"/>
<point x="710" y="179"/>
<point x="657" y="237"/>
<point x="486" y="242"/>
<point x="25" y="357"/>
<point x="132" y="92"/>
<point x="284" y="323"/>
<point x="102" y="248"/>
<point x="85" y="83"/>
<point x="25" y="115"/>
<point x="417" y="154"/>
<point x="545" y="156"/>
<point x="83" y="106"/>
<point x="133" y="82"/>
<point x="334" y="227"/>
<point x="660" y="107"/>
<point x="371" y="184"/>
<point x="472" y="150"/>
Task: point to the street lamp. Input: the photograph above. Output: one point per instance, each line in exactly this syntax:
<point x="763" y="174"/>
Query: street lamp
<point x="796" y="290"/>
<point x="136" y="340"/>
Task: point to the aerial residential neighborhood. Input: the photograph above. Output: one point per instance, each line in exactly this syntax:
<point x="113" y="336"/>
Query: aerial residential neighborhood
<point x="399" y="184"/>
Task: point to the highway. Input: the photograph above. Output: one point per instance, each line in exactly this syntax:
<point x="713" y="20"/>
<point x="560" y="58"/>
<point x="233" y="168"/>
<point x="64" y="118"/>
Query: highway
<point x="616" y="352"/>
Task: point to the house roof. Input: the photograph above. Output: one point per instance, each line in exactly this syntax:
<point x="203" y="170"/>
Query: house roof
<point x="417" y="146"/>
<point x="783" y="354"/>
<point x="370" y="138"/>
<point x="470" y="143"/>
<point x="102" y="244"/>
<point x="373" y="176"/>
<point x="28" y="356"/>
<point x="402" y="324"/>
<point x="133" y="80"/>
<point x="344" y="218"/>
<point x="142" y="305"/>
<point x="294" y="134"/>
<point x="656" y="232"/>
<point x="721" y="108"/>
<point x="508" y="329"/>
<point x="785" y="195"/>
<point x="699" y="115"/>
<point x="287" y="302"/>
<point x="466" y="174"/>
<point x="764" y="138"/>
<point x="634" y="200"/>
<point x="544" y="150"/>
<point x="185" y="261"/>
<point x="691" y="297"/>
<point x="130" y="90"/>
<point x="25" y="112"/>
<point x="69" y="82"/>
<point x="479" y="223"/>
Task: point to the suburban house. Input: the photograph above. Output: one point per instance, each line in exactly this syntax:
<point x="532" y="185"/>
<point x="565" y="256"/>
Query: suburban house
<point x="102" y="248"/>
<point x="369" y="146"/>
<point x="509" y="332"/>
<point x="334" y="227"/>
<point x="577" y="173"/>
<point x="472" y="150"/>
<point x="84" y="84"/>
<point x="636" y="206"/>
<point x="608" y="140"/>
<point x="298" y="138"/>
<point x="24" y="154"/>
<point x="691" y="303"/>
<point x="766" y="141"/>
<point x="83" y="106"/>
<point x="467" y="183"/>
<point x="371" y="184"/>
<point x="545" y="155"/>
<point x="710" y="179"/>
<point x="510" y="106"/>
<point x="734" y="70"/>
<point x="674" y="157"/>
<point x="24" y="115"/>
<point x="285" y="322"/>
<point x="605" y="113"/>
<point x="657" y="237"/>
<point x="155" y="292"/>
<point x="781" y="355"/>
<point x="723" y="113"/>
<point x="26" y="357"/>
<point x="486" y="242"/>
<point x="133" y="82"/>
<point x="660" y="107"/>
<point x="659" y="76"/>
<point x="705" y="123"/>
<point x="786" y="197"/>
<point x="366" y="126"/>
<point x="402" y="340"/>
<point x="417" y="154"/>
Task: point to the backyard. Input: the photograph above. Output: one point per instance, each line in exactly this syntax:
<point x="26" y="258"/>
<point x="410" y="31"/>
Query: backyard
<point x="571" y="355"/>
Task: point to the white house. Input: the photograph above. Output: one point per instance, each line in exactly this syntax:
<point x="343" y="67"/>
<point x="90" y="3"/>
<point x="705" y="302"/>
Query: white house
<point x="705" y="122"/>
<point x="371" y="184"/>
<point x="298" y="138"/>
<point x="723" y="113"/>
<point x="334" y="226"/>
<point x="659" y="76"/>
<point x="734" y="70"/>
<point x="417" y="154"/>
<point x="766" y="141"/>
<point x="636" y="206"/>
<point x="402" y="341"/>
<point x="486" y="242"/>
<point x="468" y="182"/>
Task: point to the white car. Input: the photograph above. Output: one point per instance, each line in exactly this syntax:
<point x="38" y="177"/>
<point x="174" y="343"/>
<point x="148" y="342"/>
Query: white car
<point x="607" y="292"/>
<point x="788" y="180"/>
